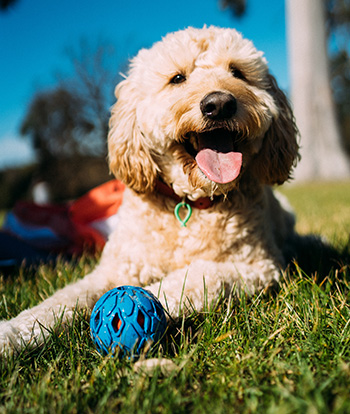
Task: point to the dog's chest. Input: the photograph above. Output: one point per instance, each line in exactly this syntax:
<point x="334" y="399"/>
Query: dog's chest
<point x="158" y="238"/>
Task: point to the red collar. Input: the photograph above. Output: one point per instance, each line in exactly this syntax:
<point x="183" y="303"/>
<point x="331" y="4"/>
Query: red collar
<point x="201" y="203"/>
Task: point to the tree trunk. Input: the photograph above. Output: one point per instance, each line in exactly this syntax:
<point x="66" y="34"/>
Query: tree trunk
<point x="322" y="154"/>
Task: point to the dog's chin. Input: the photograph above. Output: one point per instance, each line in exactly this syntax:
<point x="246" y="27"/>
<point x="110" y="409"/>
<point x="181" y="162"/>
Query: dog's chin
<point x="210" y="188"/>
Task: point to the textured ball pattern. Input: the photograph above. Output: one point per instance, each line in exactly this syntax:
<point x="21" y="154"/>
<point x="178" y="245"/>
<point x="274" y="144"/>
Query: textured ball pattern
<point x="125" y="319"/>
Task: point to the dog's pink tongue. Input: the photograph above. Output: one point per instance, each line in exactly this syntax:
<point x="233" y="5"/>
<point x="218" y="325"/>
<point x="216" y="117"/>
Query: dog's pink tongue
<point x="217" y="160"/>
<point x="219" y="167"/>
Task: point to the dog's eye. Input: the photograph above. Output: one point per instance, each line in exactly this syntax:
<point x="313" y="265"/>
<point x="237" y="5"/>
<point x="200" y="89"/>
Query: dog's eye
<point x="178" y="79"/>
<point x="237" y="73"/>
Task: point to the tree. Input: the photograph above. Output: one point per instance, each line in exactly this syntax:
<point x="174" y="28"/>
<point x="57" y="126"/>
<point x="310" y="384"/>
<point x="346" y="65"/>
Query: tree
<point x="57" y="125"/>
<point x="6" y="4"/>
<point x="72" y="118"/>
<point x="338" y="20"/>
<point x="68" y="124"/>
<point x="237" y="7"/>
<point x="340" y="67"/>
<point x="94" y="78"/>
<point x="322" y="154"/>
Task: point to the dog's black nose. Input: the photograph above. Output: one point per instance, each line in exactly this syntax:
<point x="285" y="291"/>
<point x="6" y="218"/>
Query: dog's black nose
<point x="218" y="106"/>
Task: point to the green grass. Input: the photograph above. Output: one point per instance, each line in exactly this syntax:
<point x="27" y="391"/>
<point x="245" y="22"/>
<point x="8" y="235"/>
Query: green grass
<point x="2" y="216"/>
<point x="322" y="208"/>
<point x="275" y="353"/>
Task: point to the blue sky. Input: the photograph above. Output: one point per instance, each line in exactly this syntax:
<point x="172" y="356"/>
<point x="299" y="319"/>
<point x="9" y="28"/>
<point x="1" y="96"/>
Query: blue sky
<point x="34" y="35"/>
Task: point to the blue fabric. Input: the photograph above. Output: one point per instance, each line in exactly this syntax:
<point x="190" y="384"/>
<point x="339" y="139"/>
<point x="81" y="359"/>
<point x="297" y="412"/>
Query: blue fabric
<point x="35" y="235"/>
<point x="13" y="252"/>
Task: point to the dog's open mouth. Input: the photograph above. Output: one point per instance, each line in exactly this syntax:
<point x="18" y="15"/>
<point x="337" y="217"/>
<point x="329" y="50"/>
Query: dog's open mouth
<point x="215" y="154"/>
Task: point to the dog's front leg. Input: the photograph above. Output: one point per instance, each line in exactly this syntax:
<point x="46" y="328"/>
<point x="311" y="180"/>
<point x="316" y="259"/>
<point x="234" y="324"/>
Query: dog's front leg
<point x="201" y="284"/>
<point x="31" y="326"/>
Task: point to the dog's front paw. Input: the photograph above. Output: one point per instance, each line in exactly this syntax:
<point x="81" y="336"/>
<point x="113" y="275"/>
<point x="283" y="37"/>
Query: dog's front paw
<point x="186" y="289"/>
<point x="10" y="338"/>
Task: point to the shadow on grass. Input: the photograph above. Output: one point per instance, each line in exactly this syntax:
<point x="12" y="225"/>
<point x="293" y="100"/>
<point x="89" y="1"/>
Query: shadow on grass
<point x="318" y="258"/>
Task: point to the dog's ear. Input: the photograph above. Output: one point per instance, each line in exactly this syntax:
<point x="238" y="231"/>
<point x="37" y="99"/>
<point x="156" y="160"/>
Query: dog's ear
<point x="129" y="158"/>
<point x="279" y="152"/>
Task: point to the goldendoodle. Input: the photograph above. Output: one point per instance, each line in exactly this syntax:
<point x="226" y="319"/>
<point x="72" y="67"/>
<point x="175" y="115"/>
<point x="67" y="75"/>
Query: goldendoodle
<point x="200" y="129"/>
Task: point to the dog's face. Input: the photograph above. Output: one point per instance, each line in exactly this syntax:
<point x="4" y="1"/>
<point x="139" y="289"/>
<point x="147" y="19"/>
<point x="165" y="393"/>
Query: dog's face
<point x="201" y="111"/>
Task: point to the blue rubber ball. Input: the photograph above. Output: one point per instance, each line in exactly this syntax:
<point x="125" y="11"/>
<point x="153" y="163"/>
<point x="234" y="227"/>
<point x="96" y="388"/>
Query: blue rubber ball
<point x="125" y="319"/>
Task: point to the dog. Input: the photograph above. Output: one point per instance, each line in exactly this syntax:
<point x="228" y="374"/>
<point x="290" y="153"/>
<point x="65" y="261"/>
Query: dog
<point x="200" y="128"/>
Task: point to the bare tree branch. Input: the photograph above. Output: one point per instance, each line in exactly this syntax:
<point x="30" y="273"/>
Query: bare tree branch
<point x="237" y="7"/>
<point x="7" y="4"/>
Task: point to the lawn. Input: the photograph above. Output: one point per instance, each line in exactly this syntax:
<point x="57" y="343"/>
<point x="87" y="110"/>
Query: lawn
<point x="322" y="209"/>
<point x="276" y="352"/>
<point x="2" y="216"/>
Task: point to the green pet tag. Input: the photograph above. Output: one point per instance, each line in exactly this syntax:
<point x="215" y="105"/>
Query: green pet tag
<point x="178" y="207"/>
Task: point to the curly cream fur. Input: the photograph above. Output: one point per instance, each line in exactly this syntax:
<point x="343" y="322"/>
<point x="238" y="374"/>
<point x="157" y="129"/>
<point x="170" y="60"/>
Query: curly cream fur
<point x="239" y="241"/>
